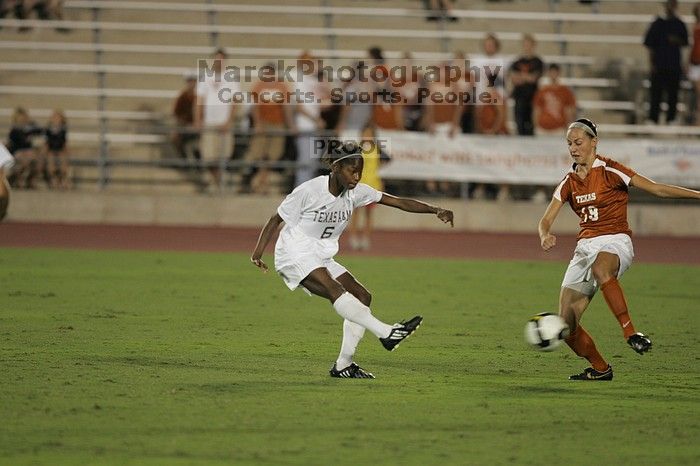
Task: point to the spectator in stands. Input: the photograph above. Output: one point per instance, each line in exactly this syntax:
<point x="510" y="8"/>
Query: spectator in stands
<point x="57" y="164"/>
<point x="525" y="73"/>
<point x="664" y="39"/>
<point x="440" y="9"/>
<point x="330" y="113"/>
<point x="21" y="147"/>
<point x="443" y="117"/>
<point x="5" y="7"/>
<point x="694" y="65"/>
<point x="413" y="110"/>
<point x="555" y="104"/>
<point x="307" y="117"/>
<point x="491" y="116"/>
<point x="214" y="118"/>
<point x="491" y="64"/>
<point x="55" y="8"/>
<point x="185" y="139"/>
<point x="386" y="113"/>
<point x="490" y="119"/>
<point x="464" y="85"/>
<point x="555" y="107"/>
<point x="22" y="9"/>
<point x="17" y="8"/>
<point x="356" y="110"/>
<point x="373" y="158"/>
<point x="272" y="119"/>
<point x="376" y="56"/>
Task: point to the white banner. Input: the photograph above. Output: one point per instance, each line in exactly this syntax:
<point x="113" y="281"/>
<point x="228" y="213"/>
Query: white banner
<point x="529" y="160"/>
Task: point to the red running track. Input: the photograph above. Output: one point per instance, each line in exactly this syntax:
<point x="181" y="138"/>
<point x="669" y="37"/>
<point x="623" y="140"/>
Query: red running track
<point x="499" y="246"/>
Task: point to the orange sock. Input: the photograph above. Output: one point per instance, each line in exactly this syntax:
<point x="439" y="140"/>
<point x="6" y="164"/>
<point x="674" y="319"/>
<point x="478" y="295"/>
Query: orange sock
<point x="616" y="302"/>
<point x="582" y="344"/>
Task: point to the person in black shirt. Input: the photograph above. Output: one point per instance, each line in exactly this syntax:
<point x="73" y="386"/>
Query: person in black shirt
<point x="21" y="148"/>
<point x="56" y="152"/>
<point x="664" y="39"/>
<point x="525" y="73"/>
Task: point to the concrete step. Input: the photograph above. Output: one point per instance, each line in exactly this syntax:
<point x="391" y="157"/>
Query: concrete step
<point x="47" y="35"/>
<point x="152" y="16"/>
<point x="29" y="101"/>
<point x="49" y="78"/>
<point x="156" y="37"/>
<point x="143" y="81"/>
<point x="47" y="56"/>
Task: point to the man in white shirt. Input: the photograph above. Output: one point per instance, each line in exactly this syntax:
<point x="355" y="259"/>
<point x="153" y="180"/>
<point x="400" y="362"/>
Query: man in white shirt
<point x="214" y="117"/>
<point x="313" y="96"/>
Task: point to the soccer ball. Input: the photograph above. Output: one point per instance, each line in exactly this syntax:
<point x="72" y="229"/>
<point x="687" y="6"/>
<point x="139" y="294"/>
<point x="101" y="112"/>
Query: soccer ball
<point x="546" y="331"/>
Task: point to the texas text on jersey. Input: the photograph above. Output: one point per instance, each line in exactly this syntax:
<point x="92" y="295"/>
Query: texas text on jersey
<point x="600" y="199"/>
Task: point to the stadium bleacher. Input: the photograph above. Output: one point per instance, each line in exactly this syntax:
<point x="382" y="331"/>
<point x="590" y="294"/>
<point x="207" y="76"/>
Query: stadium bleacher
<point x="118" y="69"/>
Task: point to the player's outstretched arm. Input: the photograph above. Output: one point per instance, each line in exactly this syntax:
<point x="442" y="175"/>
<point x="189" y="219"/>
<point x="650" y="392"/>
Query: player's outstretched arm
<point x="548" y="240"/>
<point x="663" y="190"/>
<point x="265" y="235"/>
<point x="418" y="207"/>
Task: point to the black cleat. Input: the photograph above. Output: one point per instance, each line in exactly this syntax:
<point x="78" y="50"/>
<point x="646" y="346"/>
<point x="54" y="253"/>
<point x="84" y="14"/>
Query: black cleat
<point x="400" y="332"/>
<point x="353" y="371"/>
<point x="591" y="374"/>
<point x="639" y="342"/>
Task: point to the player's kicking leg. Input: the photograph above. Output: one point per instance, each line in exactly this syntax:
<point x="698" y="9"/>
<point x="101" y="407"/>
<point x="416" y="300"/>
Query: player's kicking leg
<point x="572" y="304"/>
<point x="353" y="310"/>
<point x="605" y="269"/>
<point x="344" y="366"/>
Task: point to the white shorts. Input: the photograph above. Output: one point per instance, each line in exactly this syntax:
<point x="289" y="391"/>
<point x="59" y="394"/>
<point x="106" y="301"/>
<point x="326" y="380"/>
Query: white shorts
<point x="579" y="276"/>
<point x="294" y="270"/>
<point x="694" y="73"/>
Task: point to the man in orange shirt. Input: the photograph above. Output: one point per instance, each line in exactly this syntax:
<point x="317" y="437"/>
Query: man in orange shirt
<point x="272" y="119"/>
<point x="491" y="115"/>
<point x="555" y="104"/>
<point x="596" y="187"/>
<point x="440" y="112"/>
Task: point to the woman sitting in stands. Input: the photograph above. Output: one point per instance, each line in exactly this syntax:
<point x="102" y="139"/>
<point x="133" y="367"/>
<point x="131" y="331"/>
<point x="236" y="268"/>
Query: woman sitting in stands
<point x="21" y="147"/>
<point x="57" y="164"/>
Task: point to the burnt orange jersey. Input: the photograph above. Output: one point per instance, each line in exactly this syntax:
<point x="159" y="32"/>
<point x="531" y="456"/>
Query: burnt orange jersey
<point x="600" y="199"/>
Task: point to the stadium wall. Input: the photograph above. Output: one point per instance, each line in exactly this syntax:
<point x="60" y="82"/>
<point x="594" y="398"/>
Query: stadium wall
<point x="252" y="211"/>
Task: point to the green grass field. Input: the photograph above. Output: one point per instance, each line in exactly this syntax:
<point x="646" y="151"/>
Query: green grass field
<point x="188" y="358"/>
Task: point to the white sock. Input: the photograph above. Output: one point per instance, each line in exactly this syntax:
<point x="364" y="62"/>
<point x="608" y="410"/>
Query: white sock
<point x="350" y="308"/>
<point x="352" y="334"/>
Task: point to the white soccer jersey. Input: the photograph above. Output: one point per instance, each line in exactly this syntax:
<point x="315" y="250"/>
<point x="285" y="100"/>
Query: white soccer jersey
<point x="6" y="159"/>
<point x="314" y="218"/>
